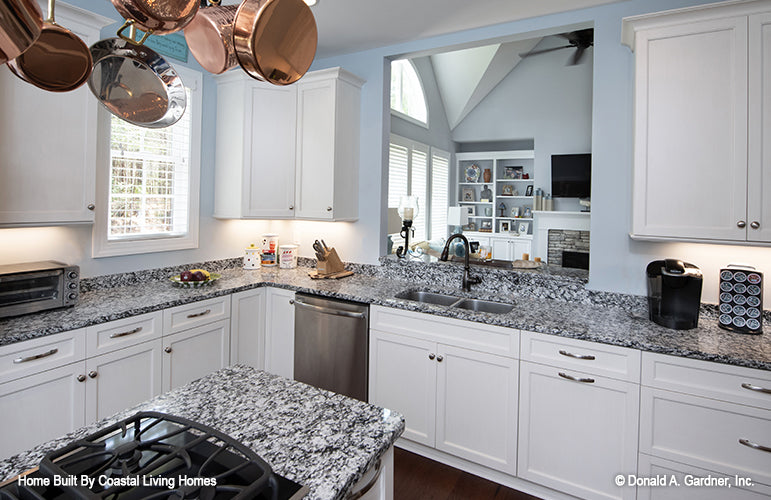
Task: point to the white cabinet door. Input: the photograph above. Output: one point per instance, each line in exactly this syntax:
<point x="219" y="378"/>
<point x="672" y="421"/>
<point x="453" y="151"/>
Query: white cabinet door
<point x="501" y="248"/>
<point x="247" y="328"/>
<point x="402" y="377"/>
<point x="690" y="174"/>
<point x="759" y="185"/>
<point x="194" y="353"/>
<point x="476" y="407"/>
<point x="279" y="332"/>
<point x="520" y="247"/>
<point x="48" y="143"/>
<point x="577" y="436"/>
<point x="41" y="407"/>
<point x="122" y="379"/>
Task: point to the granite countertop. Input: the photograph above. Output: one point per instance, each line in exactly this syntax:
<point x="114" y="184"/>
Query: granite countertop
<point x="314" y="437"/>
<point x="617" y="321"/>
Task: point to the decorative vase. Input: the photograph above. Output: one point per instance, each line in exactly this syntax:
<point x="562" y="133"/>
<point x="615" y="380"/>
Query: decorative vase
<point x="487" y="175"/>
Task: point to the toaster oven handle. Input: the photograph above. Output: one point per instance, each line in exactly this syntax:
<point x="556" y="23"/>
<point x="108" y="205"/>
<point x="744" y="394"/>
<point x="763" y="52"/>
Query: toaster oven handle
<point x="36" y="356"/>
<point x="23" y="276"/>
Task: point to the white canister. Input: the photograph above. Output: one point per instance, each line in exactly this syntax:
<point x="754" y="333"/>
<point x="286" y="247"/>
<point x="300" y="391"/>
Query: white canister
<point x="252" y="257"/>
<point x="269" y="250"/>
<point x="287" y="256"/>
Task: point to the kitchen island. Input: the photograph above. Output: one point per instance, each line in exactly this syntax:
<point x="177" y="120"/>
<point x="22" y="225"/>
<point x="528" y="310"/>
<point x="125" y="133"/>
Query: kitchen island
<point x="319" y="439"/>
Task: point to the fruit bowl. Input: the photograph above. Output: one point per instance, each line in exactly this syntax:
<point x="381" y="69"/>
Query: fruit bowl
<point x="177" y="281"/>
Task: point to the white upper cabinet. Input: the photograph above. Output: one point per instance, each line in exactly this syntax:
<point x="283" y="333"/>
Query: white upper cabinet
<point x="700" y="124"/>
<point x="48" y="143"/>
<point x="288" y="152"/>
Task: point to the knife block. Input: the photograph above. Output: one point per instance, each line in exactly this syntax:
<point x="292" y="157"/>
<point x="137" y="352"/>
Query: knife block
<point x="331" y="263"/>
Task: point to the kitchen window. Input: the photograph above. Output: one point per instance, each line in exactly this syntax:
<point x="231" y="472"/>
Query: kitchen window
<point x="413" y="167"/>
<point x="147" y="197"/>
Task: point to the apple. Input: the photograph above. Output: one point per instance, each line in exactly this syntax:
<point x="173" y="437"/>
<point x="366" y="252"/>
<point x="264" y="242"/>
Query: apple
<point x="186" y="276"/>
<point x="198" y="276"/>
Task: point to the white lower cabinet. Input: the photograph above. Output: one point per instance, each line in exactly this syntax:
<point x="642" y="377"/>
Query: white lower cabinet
<point x="576" y="434"/>
<point x="279" y="332"/>
<point x="457" y="400"/>
<point x="193" y="353"/>
<point x="247" y="328"/>
<point x="510" y="248"/>
<point x="122" y="378"/>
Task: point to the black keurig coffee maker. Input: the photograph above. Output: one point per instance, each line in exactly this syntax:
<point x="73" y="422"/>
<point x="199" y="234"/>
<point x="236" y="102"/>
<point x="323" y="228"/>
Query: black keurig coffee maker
<point x="674" y="293"/>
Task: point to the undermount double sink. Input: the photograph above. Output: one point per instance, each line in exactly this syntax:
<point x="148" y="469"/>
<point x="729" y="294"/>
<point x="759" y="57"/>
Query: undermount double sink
<point x="440" y="299"/>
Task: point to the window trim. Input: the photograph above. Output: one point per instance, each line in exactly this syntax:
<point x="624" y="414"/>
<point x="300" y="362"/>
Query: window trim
<point x="100" y="245"/>
<point x="404" y="116"/>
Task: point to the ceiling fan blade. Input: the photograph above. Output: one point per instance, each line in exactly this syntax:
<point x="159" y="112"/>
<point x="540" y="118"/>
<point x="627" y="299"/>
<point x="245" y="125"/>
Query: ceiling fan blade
<point x="577" y="56"/>
<point x="542" y="51"/>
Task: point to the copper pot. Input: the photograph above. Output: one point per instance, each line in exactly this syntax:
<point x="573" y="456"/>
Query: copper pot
<point x="157" y="17"/>
<point x="58" y="61"/>
<point x="209" y="37"/>
<point x="20" y="24"/>
<point x="275" y="40"/>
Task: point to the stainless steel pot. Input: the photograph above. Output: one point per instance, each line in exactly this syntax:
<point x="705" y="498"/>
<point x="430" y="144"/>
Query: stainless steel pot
<point x="136" y="84"/>
<point x="275" y="40"/>
<point x="20" y="25"/>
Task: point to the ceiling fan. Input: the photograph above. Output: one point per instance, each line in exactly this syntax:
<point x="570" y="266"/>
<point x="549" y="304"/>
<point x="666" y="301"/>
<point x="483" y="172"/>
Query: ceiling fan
<point x="579" y="40"/>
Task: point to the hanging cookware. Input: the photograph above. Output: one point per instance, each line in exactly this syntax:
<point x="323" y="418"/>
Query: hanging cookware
<point x="157" y="17"/>
<point x="275" y="40"/>
<point x="136" y="84"/>
<point x="20" y="24"/>
<point x="209" y="37"/>
<point x="58" y="61"/>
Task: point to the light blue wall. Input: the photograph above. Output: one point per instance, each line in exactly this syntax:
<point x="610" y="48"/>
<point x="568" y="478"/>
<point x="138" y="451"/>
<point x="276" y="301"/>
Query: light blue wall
<point x="617" y="263"/>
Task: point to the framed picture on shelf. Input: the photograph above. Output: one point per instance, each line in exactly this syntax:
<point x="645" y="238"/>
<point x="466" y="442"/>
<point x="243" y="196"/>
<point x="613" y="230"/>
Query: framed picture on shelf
<point x="471" y="226"/>
<point x="471" y="211"/>
<point x="515" y="212"/>
<point x="505" y="226"/>
<point x="523" y="228"/>
<point x="508" y="190"/>
<point x="467" y="194"/>
<point x="487" y="224"/>
<point x="529" y="190"/>
<point x="527" y="213"/>
<point x="513" y="172"/>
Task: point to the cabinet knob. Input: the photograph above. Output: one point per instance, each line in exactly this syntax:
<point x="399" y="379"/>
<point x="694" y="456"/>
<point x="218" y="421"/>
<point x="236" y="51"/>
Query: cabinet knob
<point x="91" y="206"/>
<point x="291" y="302"/>
<point x="81" y="378"/>
<point x="431" y="356"/>
<point x="440" y="358"/>
<point x="755" y="224"/>
<point x="329" y="209"/>
<point x="291" y="207"/>
<point x="741" y="224"/>
<point x="167" y="350"/>
<point x="92" y="374"/>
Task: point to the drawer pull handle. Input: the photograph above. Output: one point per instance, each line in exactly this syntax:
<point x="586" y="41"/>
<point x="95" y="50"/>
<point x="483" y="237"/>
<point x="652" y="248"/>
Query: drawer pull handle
<point x="754" y="446"/>
<point x="587" y="357"/>
<point x="756" y="388"/>
<point x="123" y="334"/>
<point x="36" y="356"/>
<point x="576" y="379"/>
<point x="196" y="315"/>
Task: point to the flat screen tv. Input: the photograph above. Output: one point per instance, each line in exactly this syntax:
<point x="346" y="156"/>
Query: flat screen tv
<point x="571" y="176"/>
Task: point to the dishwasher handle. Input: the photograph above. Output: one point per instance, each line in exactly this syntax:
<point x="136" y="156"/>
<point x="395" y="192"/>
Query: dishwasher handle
<point x="327" y="310"/>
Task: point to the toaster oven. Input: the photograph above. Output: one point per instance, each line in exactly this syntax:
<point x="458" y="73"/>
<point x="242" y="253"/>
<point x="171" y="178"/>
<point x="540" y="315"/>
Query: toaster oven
<point x="37" y="286"/>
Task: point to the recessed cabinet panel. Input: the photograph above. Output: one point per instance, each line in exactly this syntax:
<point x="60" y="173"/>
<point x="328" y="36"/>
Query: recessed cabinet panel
<point x="279" y="332"/>
<point x="759" y="185"/>
<point x="191" y="354"/>
<point x="247" y="328"/>
<point x="690" y="144"/>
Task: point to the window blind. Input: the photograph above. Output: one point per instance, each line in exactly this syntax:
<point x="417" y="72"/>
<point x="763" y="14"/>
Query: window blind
<point x="440" y="180"/>
<point x="419" y="189"/>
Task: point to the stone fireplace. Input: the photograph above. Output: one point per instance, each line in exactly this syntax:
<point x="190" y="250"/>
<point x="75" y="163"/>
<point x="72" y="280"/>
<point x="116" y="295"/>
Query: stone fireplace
<point x="568" y="245"/>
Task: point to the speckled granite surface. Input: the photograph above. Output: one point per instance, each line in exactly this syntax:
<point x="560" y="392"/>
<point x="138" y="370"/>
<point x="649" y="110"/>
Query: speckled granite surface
<point x="317" y="438"/>
<point x="559" y="306"/>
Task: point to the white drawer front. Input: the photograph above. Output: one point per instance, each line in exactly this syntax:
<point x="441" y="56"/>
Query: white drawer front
<point x="682" y="483"/>
<point x="600" y="359"/>
<point x="706" y="433"/>
<point x="195" y="314"/>
<point x="33" y="356"/>
<point x="704" y="378"/>
<point x="122" y="333"/>
<point x="469" y="334"/>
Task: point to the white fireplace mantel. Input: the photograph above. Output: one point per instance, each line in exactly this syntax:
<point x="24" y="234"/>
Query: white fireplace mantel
<point x="544" y="220"/>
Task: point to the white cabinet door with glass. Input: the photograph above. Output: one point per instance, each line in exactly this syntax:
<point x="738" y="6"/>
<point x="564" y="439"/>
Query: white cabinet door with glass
<point x="48" y="142"/>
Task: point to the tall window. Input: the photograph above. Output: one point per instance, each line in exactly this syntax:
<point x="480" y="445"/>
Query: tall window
<point x="418" y="170"/>
<point x="407" y="97"/>
<point x="148" y="194"/>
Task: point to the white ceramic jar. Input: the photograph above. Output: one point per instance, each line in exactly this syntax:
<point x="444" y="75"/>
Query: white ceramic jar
<point x="288" y="256"/>
<point x="252" y="257"/>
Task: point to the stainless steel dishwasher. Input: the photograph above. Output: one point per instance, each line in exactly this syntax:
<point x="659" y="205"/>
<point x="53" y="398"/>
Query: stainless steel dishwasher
<point x="331" y="344"/>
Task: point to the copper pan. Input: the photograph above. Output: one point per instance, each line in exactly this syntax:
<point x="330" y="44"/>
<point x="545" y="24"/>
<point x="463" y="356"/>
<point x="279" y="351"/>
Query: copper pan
<point x="58" y="61"/>
<point x="275" y="40"/>
<point x="157" y="17"/>
<point x="20" y="24"/>
<point x="209" y="37"/>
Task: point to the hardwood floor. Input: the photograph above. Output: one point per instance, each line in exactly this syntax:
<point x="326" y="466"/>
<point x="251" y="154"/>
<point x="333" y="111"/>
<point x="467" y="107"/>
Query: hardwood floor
<point x="419" y="478"/>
